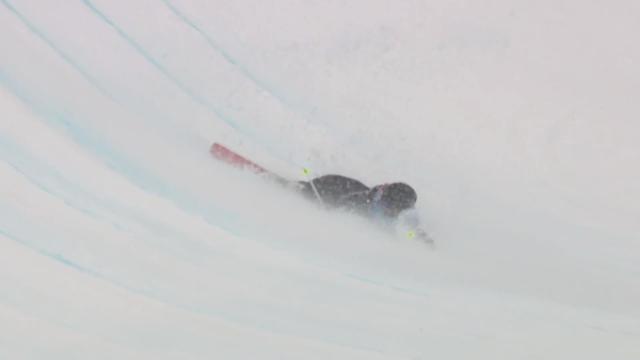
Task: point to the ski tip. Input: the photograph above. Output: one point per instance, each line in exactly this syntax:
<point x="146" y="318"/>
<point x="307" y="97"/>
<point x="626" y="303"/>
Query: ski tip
<point x="229" y="156"/>
<point x="216" y="147"/>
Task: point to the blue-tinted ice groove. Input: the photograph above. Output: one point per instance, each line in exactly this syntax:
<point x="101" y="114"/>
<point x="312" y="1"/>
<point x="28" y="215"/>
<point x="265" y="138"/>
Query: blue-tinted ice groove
<point x="156" y="64"/>
<point x="85" y="74"/>
<point x="227" y="56"/>
<point x="198" y="310"/>
<point x="51" y="181"/>
<point x="215" y="110"/>
<point x="92" y="141"/>
<point x="118" y="162"/>
<point x="244" y="70"/>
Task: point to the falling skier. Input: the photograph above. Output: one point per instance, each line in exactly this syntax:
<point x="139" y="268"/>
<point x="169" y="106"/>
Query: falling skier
<point x="392" y="205"/>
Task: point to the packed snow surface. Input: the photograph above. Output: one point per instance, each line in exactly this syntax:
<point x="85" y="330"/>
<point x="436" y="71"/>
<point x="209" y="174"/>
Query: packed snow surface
<point x="122" y="238"/>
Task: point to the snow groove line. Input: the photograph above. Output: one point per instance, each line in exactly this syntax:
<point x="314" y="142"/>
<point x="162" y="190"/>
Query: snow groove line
<point x="244" y="70"/>
<point x="110" y="156"/>
<point x="229" y="320"/>
<point x="185" y="204"/>
<point x="84" y="138"/>
<point x="66" y="57"/>
<point x="57" y="258"/>
<point x="97" y="275"/>
<point x="215" y="110"/>
<point x="52" y="255"/>
<point x="39" y="185"/>
<point x="212" y="215"/>
<point x="114" y="161"/>
<point x="227" y="56"/>
<point x="65" y="190"/>
<point x="41" y="35"/>
<point x="140" y="49"/>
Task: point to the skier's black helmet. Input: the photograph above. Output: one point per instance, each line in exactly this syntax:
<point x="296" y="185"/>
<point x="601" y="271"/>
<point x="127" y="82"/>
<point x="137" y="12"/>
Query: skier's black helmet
<point x="394" y="198"/>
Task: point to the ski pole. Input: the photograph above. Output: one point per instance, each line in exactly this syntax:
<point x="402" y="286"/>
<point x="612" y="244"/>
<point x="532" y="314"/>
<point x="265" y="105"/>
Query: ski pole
<point x="307" y="172"/>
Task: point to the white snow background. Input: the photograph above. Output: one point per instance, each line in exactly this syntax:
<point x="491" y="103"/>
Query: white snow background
<point x="518" y="123"/>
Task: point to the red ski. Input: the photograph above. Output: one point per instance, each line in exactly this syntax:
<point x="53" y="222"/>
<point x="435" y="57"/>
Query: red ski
<point x="232" y="158"/>
<point x="227" y="155"/>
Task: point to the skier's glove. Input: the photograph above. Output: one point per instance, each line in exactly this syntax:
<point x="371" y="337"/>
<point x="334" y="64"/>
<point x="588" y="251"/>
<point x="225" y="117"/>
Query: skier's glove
<point x="421" y="235"/>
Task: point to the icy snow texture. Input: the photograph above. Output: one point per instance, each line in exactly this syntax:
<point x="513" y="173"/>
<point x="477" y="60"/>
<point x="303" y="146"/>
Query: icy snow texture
<point x="517" y="121"/>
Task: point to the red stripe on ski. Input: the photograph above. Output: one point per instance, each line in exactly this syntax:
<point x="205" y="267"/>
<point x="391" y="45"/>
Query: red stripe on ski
<point x="227" y="155"/>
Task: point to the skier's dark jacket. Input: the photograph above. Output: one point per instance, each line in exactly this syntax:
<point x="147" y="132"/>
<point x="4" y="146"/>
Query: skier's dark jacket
<point x="343" y="192"/>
